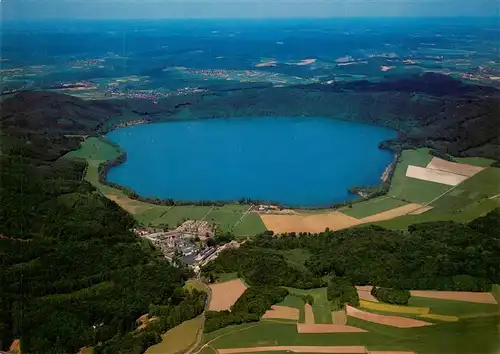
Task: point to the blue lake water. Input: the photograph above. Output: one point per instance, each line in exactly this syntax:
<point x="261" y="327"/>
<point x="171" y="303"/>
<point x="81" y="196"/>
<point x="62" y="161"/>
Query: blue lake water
<point x="294" y="161"/>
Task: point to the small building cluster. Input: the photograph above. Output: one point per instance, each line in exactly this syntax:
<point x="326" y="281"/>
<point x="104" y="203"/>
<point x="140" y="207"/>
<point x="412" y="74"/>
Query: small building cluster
<point x="187" y="242"/>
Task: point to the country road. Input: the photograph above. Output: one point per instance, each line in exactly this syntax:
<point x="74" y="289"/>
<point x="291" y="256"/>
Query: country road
<point x="199" y="336"/>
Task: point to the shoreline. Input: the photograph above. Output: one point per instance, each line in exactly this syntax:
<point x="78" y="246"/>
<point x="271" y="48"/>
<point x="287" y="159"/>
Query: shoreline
<point x="130" y="193"/>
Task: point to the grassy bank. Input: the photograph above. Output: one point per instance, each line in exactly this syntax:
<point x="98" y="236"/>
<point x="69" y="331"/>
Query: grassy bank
<point x="228" y="218"/>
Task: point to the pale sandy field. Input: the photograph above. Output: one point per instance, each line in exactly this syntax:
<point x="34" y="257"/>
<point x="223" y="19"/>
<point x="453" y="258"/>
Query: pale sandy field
<point x="453" y="167"/>
<point x="334" y="220"/>
<point x="364" y="293"/>
<point x="123" y="202"/>
<point x="393" y="321"/>
<point x="391" y="214"/>
<point x="436" y="176"/>
<point x="283" y="312"/>
<point x="224" y="295"/>
<point x="482" y="298"/>
<point x="298" y="349"/>
<point x="339" y="317"/>
<point x="308" y="223"/>
<point x="309" y="314"/>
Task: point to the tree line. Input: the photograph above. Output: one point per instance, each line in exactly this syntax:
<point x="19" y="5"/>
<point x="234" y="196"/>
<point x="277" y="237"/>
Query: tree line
<point x="437" y="256"/>
<point x="72" y="274"/>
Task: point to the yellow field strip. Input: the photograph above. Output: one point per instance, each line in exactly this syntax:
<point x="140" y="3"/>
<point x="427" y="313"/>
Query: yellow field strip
<point x="377" y="306"/>
<point x="444" y="318"/>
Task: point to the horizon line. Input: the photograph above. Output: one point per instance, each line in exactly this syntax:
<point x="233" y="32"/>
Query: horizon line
<point x="247" y="18"/>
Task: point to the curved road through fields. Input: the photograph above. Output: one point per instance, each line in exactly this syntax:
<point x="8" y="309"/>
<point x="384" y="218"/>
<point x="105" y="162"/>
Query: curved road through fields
<point x="199" y="336"/>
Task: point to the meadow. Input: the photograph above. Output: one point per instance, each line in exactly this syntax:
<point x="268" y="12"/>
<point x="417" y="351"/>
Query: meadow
<point x="450" y="337"/>
<point x="178" y="339"/>
<point x="410" y="189"/>
<point x="228" y="218"/>
<point x="372" y="206"/>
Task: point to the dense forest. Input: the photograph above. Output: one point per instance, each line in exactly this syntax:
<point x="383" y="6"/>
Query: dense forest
<point x="437" y="255"/>
<point x="340" y="292"/>
<point x="72" y="274"/>
<point x="391" y="296"/>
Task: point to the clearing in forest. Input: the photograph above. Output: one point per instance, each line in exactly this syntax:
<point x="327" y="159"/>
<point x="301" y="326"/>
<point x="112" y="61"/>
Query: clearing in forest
<point x="477" y="297"/>
<point x="393" y="321"/>
<point x="311" y="325"/>
<point x="224" y="295"/>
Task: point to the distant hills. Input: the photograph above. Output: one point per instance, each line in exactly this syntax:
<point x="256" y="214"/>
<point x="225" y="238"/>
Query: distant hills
<point x="428" y="110"/>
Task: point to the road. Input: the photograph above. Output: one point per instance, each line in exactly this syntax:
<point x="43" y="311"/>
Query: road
<point x="199" y="336"/>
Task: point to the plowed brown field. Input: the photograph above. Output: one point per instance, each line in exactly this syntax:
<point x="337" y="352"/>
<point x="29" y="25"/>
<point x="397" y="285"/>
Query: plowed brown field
<point x="364" y="293"/>
<point x="284" y="312"/>
<point x="391" y="214"/>
<point x="224" y="295"/>
<point x="393" y="321"/>
<point x="309" y="314"/>
<point x="334" y="220"/>
<point x="453" y="167"/>
<point x="482" y="298"/>
<point x="308" y="223"/>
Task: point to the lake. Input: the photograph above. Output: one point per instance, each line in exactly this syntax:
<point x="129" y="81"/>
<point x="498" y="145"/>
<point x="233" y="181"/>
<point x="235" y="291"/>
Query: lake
<point x="295" y="161"/>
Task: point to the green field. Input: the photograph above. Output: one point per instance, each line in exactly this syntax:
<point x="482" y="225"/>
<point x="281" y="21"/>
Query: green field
<point x="296" y="257"/>
<point x="224" y="277"/>
<point x="479" y="187"/>
<point x="226" y="216"/>
<point x="178" y="339"/>
<point x="474" y="198"/>
<point x="321" y="306"/>
<point x="251" y="225"/>
<point x="475" y="332"/>
<point x="96" y="151"/>
<point x="475" y="161"/>
<point x="411" y="189"/>
<point x="295" y="302"/>
<point x="453" y="308"/>
<point x="475" y="335"/>
<point x="373" y="206"/>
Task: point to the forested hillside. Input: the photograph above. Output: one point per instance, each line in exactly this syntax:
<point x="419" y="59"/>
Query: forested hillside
<point x="438" y="255"/>
<point x="71" y="273"/>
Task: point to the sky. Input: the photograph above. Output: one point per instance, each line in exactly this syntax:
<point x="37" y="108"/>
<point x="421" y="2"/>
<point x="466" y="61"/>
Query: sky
<point x="156" y="9"/>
